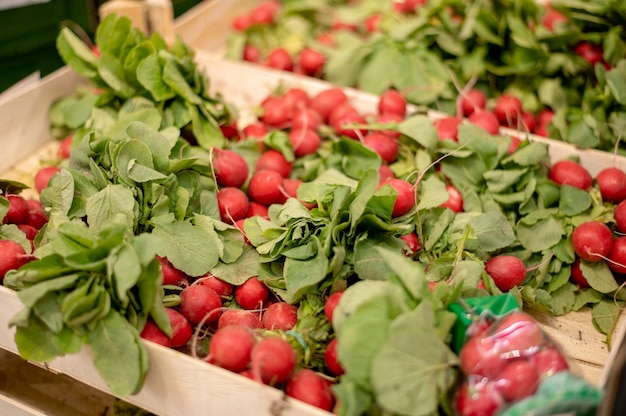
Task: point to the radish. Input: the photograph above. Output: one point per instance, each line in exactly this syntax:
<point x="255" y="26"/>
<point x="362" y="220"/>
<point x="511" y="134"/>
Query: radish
<point x="617" y="256"/>
<point x="619" y="214"/>
<point x="65" y="148"/>
<point x="274" y="160"/>
<point x="485" y="119"/>
<point x="276" y="113"/>
<point x="552" y="18"/>
<point x="506" y="271"/>
<point x="310" y="387"/>
<point x="311" y="62"/>
<point x="385" y="146"/>
<point x="515" y="142"/>
<point x="251" y="54"/>
<point x="519" y="379"/>
<point x="295" y="99"/>
<point x="549" y="361"/>
<point x="306" y="118"/>
<point x="372" y="23"/>
<point x="13" y="257"/>
<point x="568" y="172"/>
<point x="231" y="347"/>
<point x="231" y="169"/>
<point x="447" y="128"/>
<point x="200" y="303"/>
<point x="592" y="241"/>
<point x="254" y="208"/>
<point x="406" y="199"/>
<point x="304" y="141"/>
<point x="280" y="315"/>
<point x="473" y="101"/>
<point x="480" y="356"/>
<point x="528" y="121"/>
<point x="264" y="13"/>
<point x="508" y="109"/>
<point x="455" y="199"/>
<point x="589" y="52"/>
<point x="576" y="275"/>
<point x="251" y="294"/>
<point x="239" y="317"/>
<point x="232" y="203"/>
<point x="18" y="210"/>
<point x="280" y="59"/>
<point x="477" y="398"/>
<point x="241" y="22"/>
<point x="325" y="101"/>
<point x="43" y="176"/>
<point x="290" y="187"/>
<point x="257" y="130"/>
<point x="171" y="275"/>
<point x="264" y="187"/>
<point x="151" y="332"/>
<point x="385" y="172"/>
<point x="29" y="231"/>
<point x="273" y="359"/>
<point x="392" y="102"/>
<point x="612" y="184"/>
<point x="390" y="118"/>
<point x="412" y="243"/>
<point x="517" y="334"/>
<point x="330" y="358"/>
<point x="37" y="216"/>
<point x="222" y="288"/>
<point x="181" y="328"/>
<point x="331" y="303"/>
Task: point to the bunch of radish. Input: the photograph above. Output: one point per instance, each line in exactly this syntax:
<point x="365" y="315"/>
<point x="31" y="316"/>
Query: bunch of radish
<point x="503" y="361"/>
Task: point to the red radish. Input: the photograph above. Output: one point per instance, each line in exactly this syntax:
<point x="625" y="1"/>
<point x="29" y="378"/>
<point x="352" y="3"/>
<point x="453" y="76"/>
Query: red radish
<point x="506" y="271"/>
<point x="619" y="214"/>
<point x="485" y="119"/>
<point x="412" y="243"/>
<point x="65" y="148"/>
<point x="274" y="160"/>
<point x="544" y="117"/>
<point x="198" y="303"/>
<point x="326" y="38"/>
<point x="264" y="13"/>
<point x="256" y="130"/>
<point x="241" y="22"/>
<point x="296" y="99"/>
<point x="328" y="99"/>
<point x="592" y="241"/>
<point x="330" y="358"/>
<point x="340" y="112"/>
<point x="455" y="199"/>
<point x="181" y="328"/>
<point x="290" y="187"/>
<point x="172" y="275"/>
<point x="549" y="361"/>
<point x="279" y="58"/>
<point x="339" y="25"/>
<point x="385" y="172"/>
<point x="251" y="294"/>
<point x="311" y="62"/>
<point x="447" y="128"/>
<point x="254" y="208"/>
<point x="13" y="257"/>
<point x="389" y="118"/>
<point x="473" y="101"/>
<point x="515" y="142"/>
<point x="568" y="172"/>
<point x="231" y="347"/>
<point x="385" y="146"/>
<point x="480" y="356"/>
<point x="406" y="199"/>
<point x="528" y="121"/>
<point x="273" y="360"/>
<point x="518" y="380"/>
<point x="478" y="398"/>
<point x="151" y="332"/>
<point x="276" y="112"/>
<point x="508" y="109"/>
<point x="617" y="256"/>
<point x="280" y="315"/>
<point x="231" y="169"/>
<point x="37" y="216"/>
<point x="43" y="176"/>
<point x="304" y="141"/>
<point x="552" y="18"/>
<point x="18" y="210"/>
<point x="240" y="224"/>
<point x="264" y="187"/>
<point x="372" y="23"/>
<point x="251" y="54"/>
<point x="612" y="184"/>
<point x="222" y="288"/>
<point x="517" y="334"/>
<point x="29" y="231"/>
<point x="310" y="387"/>
<point x="392" y="102"/>
<point x="230" y="131"/>
<point x="576" y="275"/>
<point x="343" y="125"/>
<point x="239" y="317"/>
<point x="232" y="203"/>
<point x="331" y="303"/>
<point x="306" y="118"/>
<point x="590" y="53"/>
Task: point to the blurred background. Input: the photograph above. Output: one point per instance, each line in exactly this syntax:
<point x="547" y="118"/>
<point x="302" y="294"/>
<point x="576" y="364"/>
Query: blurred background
<point x="28" y="29"/>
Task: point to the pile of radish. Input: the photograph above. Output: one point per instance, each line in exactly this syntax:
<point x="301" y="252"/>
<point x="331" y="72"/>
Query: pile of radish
<point x="552" y="63"/>
<point x="310" y="249"/>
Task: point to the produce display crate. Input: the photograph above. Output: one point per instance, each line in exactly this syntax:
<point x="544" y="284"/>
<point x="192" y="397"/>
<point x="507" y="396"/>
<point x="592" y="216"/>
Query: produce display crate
<point x="180" y="384"/>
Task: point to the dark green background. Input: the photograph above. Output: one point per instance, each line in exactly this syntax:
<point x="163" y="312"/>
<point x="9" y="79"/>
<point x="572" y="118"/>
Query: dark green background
<point x="27" y="34"/>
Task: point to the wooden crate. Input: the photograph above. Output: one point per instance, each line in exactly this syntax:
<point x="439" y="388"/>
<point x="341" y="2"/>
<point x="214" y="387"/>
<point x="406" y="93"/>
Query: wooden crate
<point x="180" y="384"/>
